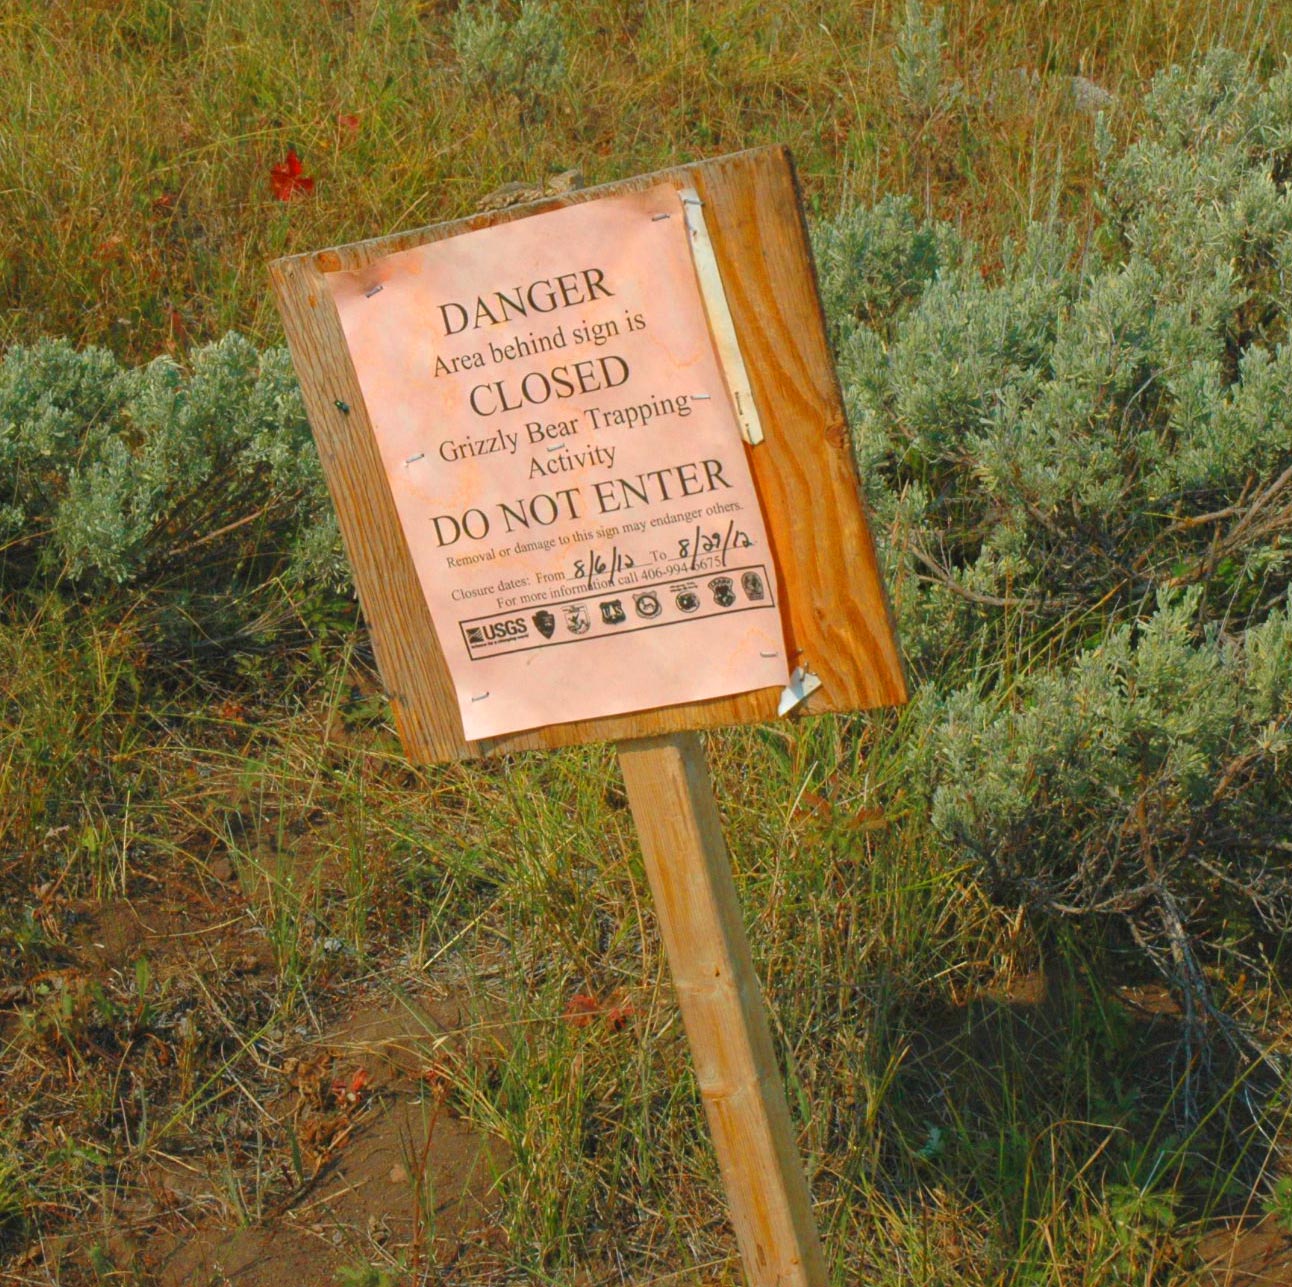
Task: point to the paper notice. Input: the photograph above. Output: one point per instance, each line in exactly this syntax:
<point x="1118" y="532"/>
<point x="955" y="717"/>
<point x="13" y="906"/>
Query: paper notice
<point x="567" y="466"/>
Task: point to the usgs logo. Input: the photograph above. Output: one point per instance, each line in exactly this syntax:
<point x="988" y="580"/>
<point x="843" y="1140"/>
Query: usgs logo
<point x="497" y="632"/>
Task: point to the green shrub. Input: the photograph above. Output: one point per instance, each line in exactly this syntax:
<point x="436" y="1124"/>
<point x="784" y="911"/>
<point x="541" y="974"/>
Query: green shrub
<point x="1151" y="761"/>
<point x="198" y="488"/>
<point x="1051" y="445"/>
<point x="1081" y="469"/>
<point x="524" y="58"/>
<point x="918" y="50"/>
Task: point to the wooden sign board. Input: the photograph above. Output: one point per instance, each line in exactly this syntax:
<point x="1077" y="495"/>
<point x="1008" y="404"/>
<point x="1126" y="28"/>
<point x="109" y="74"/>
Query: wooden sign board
<point x="834" y="613"/>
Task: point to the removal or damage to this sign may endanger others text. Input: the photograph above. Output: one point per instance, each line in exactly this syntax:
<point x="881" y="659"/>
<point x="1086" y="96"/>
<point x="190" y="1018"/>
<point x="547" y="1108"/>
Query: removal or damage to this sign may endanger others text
<point x="565" y="462"/>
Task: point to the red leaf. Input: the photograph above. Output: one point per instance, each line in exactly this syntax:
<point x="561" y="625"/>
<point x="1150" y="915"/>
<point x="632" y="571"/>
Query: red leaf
<point x="438" y="1076"/>
<point x="286" y="178"/>
<point x="348" y="1093"/>
<point x="348" y="124"/>
<point x="811" y="805"/>
<point x="582" y="1009"/>
<point x="112" y="249"/>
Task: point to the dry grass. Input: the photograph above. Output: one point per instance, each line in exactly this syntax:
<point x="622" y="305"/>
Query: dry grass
<point x="139" y="136"/>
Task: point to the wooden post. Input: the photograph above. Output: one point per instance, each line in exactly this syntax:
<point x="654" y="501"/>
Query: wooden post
<point x="677" y="820"/>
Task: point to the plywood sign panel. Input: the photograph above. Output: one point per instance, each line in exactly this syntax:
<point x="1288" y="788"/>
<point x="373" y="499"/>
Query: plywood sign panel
<point x="548" y="549"/>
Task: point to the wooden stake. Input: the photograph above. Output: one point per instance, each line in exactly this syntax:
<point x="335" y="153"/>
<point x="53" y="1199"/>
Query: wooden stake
<point x="677" y="820"/>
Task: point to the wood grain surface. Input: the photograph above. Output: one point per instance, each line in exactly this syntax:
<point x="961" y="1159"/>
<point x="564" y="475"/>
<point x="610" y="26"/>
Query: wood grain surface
<point x="835" y="610"/>
<point x="722" y="1007"/>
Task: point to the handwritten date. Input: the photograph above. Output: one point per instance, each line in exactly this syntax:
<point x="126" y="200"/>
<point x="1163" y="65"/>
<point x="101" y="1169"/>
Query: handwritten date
<point x="715" y="542"/>
<point x="595" y="564"/>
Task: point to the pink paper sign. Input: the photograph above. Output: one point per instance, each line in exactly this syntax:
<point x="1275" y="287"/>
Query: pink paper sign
<point x="566" y="464"/>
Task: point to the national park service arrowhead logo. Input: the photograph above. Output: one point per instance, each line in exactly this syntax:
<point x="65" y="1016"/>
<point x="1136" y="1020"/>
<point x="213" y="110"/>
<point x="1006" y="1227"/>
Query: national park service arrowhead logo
<point x="545" y="623"/>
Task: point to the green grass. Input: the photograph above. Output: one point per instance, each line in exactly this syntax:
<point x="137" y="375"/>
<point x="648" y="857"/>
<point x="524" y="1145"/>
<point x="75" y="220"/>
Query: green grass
<point x="977" y="1103"/>
<point x="139" y="136"/>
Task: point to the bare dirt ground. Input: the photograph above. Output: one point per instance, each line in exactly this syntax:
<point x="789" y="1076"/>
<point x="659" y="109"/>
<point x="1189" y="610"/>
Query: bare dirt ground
<point x="336" y="1146"/>
<point x="1255" y="1253"/>
<point x="400" y="1179"/>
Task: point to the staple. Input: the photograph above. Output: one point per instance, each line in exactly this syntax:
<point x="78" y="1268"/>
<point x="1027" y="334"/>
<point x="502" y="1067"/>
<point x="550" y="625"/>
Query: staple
<point x="655" y="218"/>
<point x="560" y="446"/>
<point x="480" y="698"/>
<point x="700" y="397"/>
<point x="372" y="290"/>
<point x="421" y="455"/>
<point x="769" y="654"/>
<point x="342" y="407"/>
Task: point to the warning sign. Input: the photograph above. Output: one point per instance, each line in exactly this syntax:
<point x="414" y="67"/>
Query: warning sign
<point x="567" y="464"/>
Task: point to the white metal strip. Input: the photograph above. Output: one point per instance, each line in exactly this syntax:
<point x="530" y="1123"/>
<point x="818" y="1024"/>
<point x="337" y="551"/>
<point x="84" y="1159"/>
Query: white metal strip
<point x="719" y="313"/>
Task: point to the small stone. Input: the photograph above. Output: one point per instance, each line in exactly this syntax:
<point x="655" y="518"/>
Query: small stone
<point x="398" y="1174"/>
